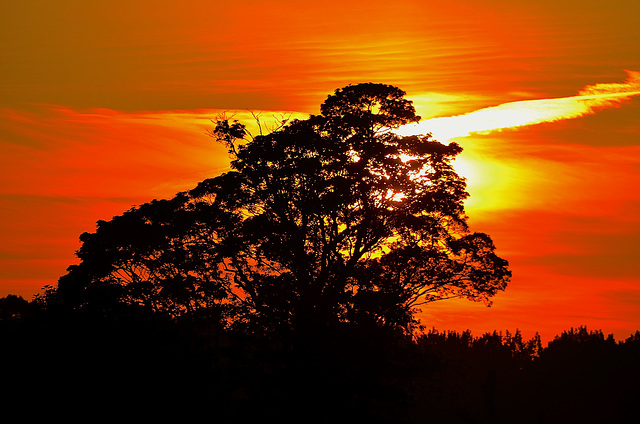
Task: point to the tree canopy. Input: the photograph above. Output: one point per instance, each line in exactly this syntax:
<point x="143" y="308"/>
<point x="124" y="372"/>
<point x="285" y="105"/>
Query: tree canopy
<point x="331" y="220"/>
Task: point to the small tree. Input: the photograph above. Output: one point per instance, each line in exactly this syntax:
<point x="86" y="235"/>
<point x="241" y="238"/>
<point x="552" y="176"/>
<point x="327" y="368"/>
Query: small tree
<point x="326" y="221"/>
<point x="13" y="307"/>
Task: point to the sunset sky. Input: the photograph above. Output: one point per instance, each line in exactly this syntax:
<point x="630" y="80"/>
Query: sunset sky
<point x="105" y="105"/>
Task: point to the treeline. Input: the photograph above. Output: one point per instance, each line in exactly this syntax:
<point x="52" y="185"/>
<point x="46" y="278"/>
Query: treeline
<point x="149" y="365"/>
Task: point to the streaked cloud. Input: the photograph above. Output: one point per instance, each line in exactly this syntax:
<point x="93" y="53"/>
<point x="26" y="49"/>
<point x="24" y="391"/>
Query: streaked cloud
<point x="63" y="152"/>
<point x="529" y="112"/>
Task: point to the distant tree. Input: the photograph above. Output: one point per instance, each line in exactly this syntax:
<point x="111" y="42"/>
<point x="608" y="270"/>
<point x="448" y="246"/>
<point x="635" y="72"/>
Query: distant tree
<point x="633" y="339"/>
<point x="13" y="307"/>
<point x="326" y="221"/>
<point x="577" y="340"/>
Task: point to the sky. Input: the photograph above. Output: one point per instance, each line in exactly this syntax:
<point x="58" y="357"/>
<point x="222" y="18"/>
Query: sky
<point x="105" y="105"/>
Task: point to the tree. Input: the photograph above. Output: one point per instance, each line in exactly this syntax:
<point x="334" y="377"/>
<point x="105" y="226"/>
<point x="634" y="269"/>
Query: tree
<point x="327" y="221"/>
<point x="13" y="307"/>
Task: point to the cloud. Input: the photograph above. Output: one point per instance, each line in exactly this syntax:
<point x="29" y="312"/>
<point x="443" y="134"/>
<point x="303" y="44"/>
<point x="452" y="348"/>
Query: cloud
<point x="64" y="152"/>
<point x="529" y="112"/>
<point x="631" y="87"/>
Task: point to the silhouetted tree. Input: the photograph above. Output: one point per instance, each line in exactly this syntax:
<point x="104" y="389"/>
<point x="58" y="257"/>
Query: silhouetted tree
<point x="334" y="220"/>
<point x="13" y="307"/>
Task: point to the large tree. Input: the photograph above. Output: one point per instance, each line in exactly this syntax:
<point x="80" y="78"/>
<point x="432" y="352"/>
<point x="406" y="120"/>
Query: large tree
<point x="331" y="220"/>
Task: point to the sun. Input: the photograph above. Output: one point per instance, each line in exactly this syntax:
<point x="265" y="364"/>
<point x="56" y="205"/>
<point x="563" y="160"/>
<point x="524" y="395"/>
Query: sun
<point x="467" y="169"/>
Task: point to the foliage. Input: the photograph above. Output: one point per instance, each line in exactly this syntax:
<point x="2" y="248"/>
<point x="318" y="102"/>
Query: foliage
<point x="158" y="367"/>
<point x="14" y="307"/>
<point x="326" y="221"/>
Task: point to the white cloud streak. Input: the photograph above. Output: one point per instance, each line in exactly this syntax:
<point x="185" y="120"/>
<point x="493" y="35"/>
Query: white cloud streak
<point x="529" y="112"/>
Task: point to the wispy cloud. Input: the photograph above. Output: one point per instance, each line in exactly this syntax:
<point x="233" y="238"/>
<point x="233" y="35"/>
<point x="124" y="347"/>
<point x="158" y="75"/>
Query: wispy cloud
<point x="63" y="152"/>
<point x="529" y="112"/>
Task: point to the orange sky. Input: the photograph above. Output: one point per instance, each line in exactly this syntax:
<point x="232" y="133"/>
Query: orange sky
<point x="104" y="105"/>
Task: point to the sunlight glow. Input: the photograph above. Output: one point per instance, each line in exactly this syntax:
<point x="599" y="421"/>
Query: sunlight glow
<point x="467" y="169"/>
<point x="491" y="181"/>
